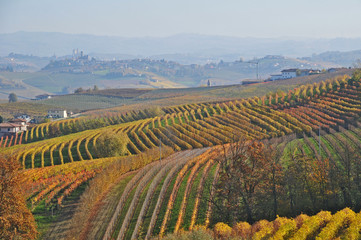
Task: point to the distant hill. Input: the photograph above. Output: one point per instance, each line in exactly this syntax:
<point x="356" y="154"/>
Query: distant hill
<point x="341" y="58"/>
<point x="183" y="47"/>
<point x="147" y="72"/>
<point x="64" y="76"/>
<point x="23" y="63"/>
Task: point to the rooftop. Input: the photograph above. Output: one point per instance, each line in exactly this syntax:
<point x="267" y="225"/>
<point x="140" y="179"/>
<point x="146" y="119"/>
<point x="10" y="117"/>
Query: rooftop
<point x="56" y="109"/>
<point x="9" y="125"/>
<point x="290" y="70"/>
<point x="17" y="120"/>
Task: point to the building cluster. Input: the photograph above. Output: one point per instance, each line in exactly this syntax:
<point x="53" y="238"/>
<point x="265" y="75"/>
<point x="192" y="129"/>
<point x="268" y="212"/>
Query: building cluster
<point x="78" y="63"/>
<point x="296" y="72"/>
<point x="13" y="126"/>
<point x="22" y="122"/>
<point x="293" y="72"/>
<point x="79" y="55"/>
<point x="83" y="64"/>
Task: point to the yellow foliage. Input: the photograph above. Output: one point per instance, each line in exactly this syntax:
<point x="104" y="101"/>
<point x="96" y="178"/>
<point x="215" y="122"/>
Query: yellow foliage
<point x="222" y="230"/>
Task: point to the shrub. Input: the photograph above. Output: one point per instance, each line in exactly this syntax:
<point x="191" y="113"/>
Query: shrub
<point x="110" y="144"/>
<point x="222" y="230"/>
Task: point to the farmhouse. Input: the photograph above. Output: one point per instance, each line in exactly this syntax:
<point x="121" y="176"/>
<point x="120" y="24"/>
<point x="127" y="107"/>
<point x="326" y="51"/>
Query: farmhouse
<point x="57" y="113"/>
<point x="292" y="73"/>
<point x="21" y="122"/>
<point x="9" y="129"/>
<point x="289" y="73"/>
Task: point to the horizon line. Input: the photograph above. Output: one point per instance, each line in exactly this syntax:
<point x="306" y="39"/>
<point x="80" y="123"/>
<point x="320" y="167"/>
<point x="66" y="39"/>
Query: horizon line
<point x="184" y="34"/>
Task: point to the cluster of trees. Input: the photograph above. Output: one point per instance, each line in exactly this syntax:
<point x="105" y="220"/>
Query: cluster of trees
<point x="81" y="90"/>
<point x="16" y="220"/>
<point x="256" y="182"/>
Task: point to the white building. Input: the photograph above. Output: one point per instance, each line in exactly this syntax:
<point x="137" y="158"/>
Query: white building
<point x="57" y="113"/>
<point x="289" y="73"/>
<point x="12" y="127"/>
<point x="21" y="122"/>
<point x="9" y="128"/>
<point x="292" y="73"/>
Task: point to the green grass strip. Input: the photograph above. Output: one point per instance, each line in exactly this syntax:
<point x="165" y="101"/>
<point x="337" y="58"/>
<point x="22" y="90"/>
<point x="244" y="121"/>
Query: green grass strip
<point x="191" y="200"/>
<point x="163" y="207"/>
<point x="123" y="213"/>
<point x="177" y="204"/>
<point x="153" y="202"/>
<point x="203" y="206"/>
<point x="138" y="207"/>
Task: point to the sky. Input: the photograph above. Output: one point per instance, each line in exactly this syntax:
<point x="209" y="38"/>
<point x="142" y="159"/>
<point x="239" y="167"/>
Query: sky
<point x="161" y="18"/>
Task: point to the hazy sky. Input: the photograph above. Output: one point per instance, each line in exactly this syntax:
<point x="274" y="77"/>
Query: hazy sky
<point x="136" y="18"/>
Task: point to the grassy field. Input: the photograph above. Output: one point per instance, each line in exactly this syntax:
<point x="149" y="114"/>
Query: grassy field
<point x="30" y="84"/>
<point x="55" y="82"/>
<point x="120" y="92"/>
<point x="80" y="102"/>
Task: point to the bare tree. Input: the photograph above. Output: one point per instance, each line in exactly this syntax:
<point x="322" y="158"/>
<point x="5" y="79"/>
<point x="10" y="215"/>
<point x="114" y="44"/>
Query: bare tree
<point x="244" y="175"/>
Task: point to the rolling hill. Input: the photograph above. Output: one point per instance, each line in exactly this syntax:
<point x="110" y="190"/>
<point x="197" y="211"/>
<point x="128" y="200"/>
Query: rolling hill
<point x="142" y="195"/>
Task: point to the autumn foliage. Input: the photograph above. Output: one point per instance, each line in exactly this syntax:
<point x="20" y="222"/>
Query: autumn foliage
<point x="16" y="220"/>
<point x="344" y="224"/>
<point x="258" y="181"/>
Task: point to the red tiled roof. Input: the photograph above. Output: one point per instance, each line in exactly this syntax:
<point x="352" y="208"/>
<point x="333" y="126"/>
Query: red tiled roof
<point x="9" y="125"/>
<point x="18" y="120"/>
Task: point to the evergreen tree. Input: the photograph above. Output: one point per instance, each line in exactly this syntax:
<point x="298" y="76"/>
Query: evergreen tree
<point x="13" y="97"/>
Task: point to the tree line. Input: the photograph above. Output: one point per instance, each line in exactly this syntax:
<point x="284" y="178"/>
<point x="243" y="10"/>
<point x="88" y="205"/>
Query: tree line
<point x="260" y="181"/>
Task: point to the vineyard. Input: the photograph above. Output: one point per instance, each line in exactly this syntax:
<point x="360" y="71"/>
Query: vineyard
<point x="172" y="195"/>
<point x="154" y="197"/>
<point x="341" y="94"/>
<point x="302" y="111"/>
<point x="164" y="196"/>
<point x="53" y="184"/>
<point x="333" y="145"/>
<point x="345" y="224"/>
